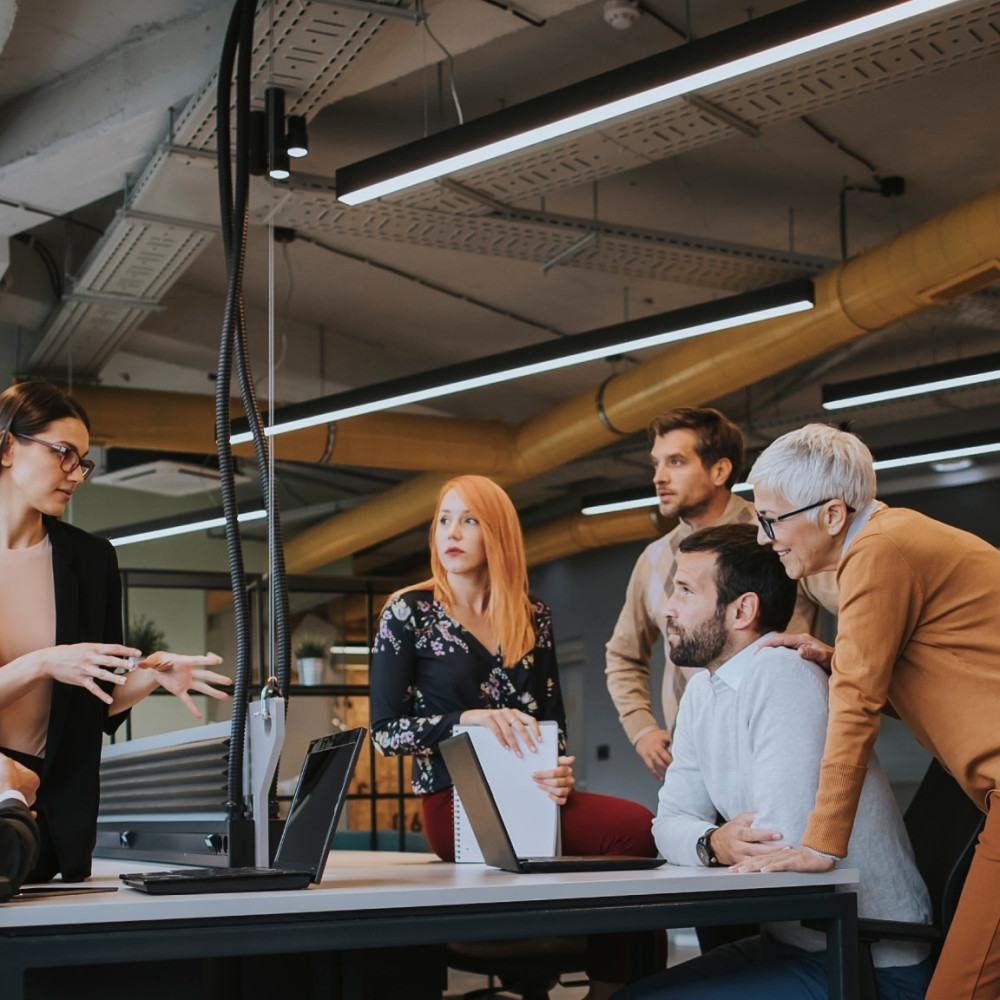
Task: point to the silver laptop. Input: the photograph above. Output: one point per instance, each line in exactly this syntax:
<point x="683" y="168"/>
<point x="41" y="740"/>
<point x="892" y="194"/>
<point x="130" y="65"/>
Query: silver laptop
<point x="491" y="832"/>
<point x="305" y="842"/>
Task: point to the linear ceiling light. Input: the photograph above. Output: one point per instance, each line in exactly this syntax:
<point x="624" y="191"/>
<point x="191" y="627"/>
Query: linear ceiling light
<point x="351" y="649"/>
<point x="651" y="331"/>
<point x="611" y="506"/>
<point x="934" y="453"/>
<point x="914" y="382"/>
<point x="944" y="450"/>
<point x="165" y="530"/>
<point x="787" y="34"/>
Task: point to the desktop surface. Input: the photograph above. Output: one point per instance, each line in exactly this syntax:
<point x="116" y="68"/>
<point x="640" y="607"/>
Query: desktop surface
<point x="368" y="899"/>
<point x="359" y="882"/>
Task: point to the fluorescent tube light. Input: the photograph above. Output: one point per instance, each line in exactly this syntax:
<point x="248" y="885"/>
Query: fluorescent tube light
<point x="787" y="34"/>
<point x="944" y="454"/>
<point x="947" y="451"/>
<point x="612" y="506"/>
<point x="651" y="331"/>
<point x="914" y="382"/>
<point x="349" y="650"/>
<point x="184" y="528"/>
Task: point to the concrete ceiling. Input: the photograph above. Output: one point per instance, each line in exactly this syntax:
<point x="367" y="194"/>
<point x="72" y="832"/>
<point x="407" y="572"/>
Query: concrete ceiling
<point x="116" y="276"/>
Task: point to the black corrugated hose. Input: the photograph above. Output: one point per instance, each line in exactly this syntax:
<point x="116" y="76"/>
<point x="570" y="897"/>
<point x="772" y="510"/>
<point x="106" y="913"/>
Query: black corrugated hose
<point x="234" y="211"/>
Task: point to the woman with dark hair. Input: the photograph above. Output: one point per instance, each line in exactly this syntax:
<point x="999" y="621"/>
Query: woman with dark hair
<point x="470" y="647"/>
<point x="65" y="676"/>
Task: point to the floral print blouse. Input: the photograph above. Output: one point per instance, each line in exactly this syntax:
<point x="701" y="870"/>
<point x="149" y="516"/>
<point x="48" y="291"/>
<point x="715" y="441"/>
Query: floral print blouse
<point x="427" y="669"/>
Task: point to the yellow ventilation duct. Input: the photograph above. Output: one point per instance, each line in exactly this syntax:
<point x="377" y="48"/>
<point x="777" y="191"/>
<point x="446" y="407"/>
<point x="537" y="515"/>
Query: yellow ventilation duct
<point x="174" y="421"/>
<point x="576" y="532"/>
<point x="948" y="256"/>
<point x="864" y="294"/>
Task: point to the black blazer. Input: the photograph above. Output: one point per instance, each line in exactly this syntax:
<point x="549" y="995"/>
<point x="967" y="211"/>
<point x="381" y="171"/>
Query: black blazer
<point x="88" y="609"/>
<point x="18" y="842"/>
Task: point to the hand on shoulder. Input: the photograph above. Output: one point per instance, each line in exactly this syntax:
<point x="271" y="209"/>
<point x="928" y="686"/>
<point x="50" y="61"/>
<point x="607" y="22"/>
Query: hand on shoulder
<point x="807" y="646"/>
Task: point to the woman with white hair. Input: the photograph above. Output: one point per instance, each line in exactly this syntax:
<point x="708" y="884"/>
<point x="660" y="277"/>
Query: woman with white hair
<point x="918" y="631"/>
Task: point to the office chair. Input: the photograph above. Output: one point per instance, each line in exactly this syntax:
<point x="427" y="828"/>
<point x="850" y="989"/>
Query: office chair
<point x="943" y="825"/>
<point x="526" y="967"/>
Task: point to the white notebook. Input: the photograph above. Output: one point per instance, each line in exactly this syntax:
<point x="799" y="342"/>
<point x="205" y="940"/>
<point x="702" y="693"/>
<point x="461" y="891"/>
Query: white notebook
<point x="531" y="817"/>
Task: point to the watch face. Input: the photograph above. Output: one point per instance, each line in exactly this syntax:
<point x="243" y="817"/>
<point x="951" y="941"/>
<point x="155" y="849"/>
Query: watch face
<point x="702" y="848"/>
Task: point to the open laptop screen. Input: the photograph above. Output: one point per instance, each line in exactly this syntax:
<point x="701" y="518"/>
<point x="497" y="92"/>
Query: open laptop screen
<point x="311" y="821"/>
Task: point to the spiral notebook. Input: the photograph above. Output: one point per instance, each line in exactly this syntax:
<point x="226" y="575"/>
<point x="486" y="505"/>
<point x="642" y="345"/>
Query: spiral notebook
<point x="531" y="817"/>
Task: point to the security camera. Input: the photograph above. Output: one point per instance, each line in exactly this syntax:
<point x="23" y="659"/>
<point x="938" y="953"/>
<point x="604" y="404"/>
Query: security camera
<point x="621" y="14"/>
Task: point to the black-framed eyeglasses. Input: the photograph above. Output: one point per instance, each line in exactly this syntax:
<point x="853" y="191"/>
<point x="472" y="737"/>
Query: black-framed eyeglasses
<point x="768" y="523"/>
<point x="69" y="458"/>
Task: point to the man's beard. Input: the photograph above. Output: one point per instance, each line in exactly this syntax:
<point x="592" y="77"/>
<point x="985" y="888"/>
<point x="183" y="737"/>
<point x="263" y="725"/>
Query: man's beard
<point x="700" y="646"/>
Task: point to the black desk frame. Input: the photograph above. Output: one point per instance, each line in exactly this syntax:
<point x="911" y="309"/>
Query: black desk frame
<point x="31" y="948"/>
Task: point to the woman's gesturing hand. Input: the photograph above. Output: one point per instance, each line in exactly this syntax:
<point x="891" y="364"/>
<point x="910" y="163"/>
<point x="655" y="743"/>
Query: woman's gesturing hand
<point x="511" y="726"/>
<point x="558" y="782"/>
<point x="178" y="674"/>
<point x="83" y="664"/>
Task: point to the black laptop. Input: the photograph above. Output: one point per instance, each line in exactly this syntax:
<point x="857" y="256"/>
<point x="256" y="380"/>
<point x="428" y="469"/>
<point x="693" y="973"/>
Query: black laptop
<point x="305" y="843"/>
<point x="491" y="832"/>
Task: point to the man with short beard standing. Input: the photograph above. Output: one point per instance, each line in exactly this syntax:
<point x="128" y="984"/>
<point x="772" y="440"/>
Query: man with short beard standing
<point x="697" y="458"/>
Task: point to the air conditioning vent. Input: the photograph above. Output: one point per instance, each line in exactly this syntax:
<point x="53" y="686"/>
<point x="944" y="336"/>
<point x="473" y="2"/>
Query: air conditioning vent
<point x="171" y="479"/>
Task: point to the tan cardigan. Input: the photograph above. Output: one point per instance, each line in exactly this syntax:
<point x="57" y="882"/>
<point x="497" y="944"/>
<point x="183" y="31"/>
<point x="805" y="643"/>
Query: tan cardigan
<point x="641" y="622"/>
<point x="919" y="628"/>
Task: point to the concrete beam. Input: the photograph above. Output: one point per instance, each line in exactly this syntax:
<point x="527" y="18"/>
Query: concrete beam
<point x="75" y="140"/>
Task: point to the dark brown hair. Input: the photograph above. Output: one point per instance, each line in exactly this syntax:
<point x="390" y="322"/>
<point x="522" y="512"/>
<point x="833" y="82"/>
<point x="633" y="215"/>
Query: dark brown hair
<point x="742" y="566"/>
<point x="29" y="407"/>
<point x="717" y="436"/>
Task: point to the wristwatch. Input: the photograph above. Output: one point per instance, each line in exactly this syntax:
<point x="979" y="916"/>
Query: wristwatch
<point x="704" y="848"/>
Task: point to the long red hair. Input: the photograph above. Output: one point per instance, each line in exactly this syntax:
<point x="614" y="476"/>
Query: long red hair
<point x="507" y="604"/>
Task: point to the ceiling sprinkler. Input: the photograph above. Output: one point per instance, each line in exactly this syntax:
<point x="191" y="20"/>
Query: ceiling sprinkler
<point x="621" y="14"/>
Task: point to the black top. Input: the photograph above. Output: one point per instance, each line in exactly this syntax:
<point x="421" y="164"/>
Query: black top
<point x="427" y="669"/>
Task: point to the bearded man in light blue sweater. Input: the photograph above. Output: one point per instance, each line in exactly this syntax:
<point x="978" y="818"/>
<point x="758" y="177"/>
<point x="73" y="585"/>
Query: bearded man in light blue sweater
<point x="747" y="746"/>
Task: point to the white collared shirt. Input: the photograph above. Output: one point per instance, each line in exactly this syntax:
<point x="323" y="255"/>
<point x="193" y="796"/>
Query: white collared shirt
<point x="749" y="738"/>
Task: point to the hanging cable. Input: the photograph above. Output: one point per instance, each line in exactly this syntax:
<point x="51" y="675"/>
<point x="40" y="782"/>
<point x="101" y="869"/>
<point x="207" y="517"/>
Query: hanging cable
<point x="448" y="56"/>
<point x="229" y="213"/>
<point x="234" y="213"/>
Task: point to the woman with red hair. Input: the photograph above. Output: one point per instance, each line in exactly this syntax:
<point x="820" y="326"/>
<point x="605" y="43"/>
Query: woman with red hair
<point x="470" y="647"/>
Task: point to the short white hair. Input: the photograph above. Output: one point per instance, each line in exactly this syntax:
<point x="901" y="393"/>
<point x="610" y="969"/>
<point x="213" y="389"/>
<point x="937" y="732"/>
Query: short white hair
<point x="817" y="462"/>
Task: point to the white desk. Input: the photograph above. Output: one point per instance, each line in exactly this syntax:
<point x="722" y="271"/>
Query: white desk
<point x="369" y="900"/>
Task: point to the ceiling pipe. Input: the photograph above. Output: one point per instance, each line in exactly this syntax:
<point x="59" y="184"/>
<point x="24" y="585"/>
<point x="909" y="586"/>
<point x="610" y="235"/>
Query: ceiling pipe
<point x="574" y="533"/>
<point x="942" y="259"/>
<point x="183" y="422"/>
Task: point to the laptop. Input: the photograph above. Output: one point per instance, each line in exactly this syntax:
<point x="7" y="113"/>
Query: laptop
<point x="491" y="832"/>
<point x="305" y="842"/>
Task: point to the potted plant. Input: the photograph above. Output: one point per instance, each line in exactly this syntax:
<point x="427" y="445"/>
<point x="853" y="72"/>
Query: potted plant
<point x="143" y="633"/>
<point x="310" y="658"/>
